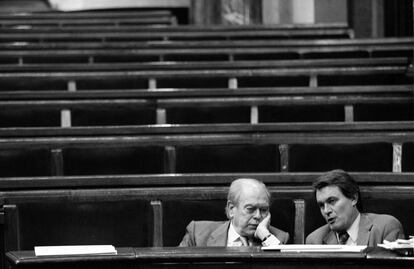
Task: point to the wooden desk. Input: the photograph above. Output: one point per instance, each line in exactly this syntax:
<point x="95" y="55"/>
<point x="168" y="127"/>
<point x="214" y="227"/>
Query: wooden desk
<point x="242" y="257"/>
<point x="383" y="257"/>
<point x="27" y="259"/>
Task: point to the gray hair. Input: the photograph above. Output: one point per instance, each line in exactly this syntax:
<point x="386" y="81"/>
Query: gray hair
<point x="236" y="187"/>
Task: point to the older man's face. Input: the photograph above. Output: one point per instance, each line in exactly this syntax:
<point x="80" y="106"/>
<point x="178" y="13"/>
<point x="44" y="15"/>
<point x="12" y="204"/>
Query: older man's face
<point x="252" y="208"/>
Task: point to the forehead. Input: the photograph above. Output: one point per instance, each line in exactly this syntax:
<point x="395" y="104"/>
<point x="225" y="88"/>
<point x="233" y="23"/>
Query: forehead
<point x="253" y="196"/>
<point x="327" y="192"/>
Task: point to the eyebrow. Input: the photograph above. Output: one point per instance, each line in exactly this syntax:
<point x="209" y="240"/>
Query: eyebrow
<point x="257" y="205"/>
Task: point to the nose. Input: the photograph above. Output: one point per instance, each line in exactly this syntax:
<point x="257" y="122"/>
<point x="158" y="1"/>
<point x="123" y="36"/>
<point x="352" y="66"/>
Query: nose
<point x="327" y="209"/>
<point x="257" y="214"/>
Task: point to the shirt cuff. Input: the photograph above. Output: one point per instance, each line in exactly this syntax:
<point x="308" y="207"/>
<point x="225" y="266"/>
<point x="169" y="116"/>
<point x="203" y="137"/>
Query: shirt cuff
<point x="271" y="241"/>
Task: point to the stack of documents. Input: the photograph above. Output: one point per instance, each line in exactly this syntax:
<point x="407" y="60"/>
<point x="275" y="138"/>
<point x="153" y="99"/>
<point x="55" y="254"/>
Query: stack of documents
<point x="401" y="246"/>
<point x="315" y="248"/>
<point x="75" y="250"/>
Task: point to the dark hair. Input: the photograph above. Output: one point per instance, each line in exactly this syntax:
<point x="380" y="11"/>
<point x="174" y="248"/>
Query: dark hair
<point x="343" y="181"/>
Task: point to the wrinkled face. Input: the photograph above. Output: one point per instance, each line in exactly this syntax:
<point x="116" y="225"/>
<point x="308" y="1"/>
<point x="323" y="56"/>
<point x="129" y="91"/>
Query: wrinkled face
<point x="252" y="208"/>
<point x="338" y="210"/>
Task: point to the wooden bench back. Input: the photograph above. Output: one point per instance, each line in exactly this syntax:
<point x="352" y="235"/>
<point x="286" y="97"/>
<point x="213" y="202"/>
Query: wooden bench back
<point x="209" y="148"/>
<point x="27" y="109"/>
<point x="158" y="215"/>
<point x="203" y="51"/>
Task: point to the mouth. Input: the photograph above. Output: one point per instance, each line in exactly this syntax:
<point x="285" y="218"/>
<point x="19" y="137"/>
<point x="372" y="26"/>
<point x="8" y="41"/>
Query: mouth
<point x="331" y="220"/>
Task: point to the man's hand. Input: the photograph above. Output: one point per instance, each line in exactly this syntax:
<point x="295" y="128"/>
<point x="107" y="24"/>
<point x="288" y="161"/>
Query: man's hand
<point x="262" y="230"/>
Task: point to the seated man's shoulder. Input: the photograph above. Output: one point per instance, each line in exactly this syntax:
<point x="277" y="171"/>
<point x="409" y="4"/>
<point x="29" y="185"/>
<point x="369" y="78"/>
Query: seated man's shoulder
<point x="383" y="219"/>
<point x="317" y="235"/>
<point x="280" y="234"/>
<point x="385" y="227"/>
<point x="202" y="230"/>
<point x="205" y="225"/>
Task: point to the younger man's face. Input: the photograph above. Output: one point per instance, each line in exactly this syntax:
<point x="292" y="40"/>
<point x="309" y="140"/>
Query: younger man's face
<point x="338" y="210"/>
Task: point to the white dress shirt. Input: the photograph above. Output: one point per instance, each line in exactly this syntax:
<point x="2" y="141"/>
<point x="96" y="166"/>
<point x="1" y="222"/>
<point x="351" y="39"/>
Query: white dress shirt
<point x="233" y="239"/>
<point x="353" y="232"/>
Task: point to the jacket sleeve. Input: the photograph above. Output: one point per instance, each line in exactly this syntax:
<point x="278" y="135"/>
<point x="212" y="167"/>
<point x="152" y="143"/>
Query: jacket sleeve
<point x="282" y="236"/>
<point x="285" y="238"/>
<point x="188" y="239"/>
<point x="311" y="239"/>
<point x="393" y="230"/>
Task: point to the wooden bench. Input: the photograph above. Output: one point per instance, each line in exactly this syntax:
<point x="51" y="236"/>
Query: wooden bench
<point x="256" y="76"/>
<point x="208" y="148"/>
<point x="204" y="51"/>
<point x="164" y="205"/>
<point x="364" y="44"/>
<point x="64" y="24"/>
<point x="206" y="106"/>
<point x="187" y="33"/>
<point x="114" y="14"/>
<point x="52" y="21"/>
<point x="135" y="65"/>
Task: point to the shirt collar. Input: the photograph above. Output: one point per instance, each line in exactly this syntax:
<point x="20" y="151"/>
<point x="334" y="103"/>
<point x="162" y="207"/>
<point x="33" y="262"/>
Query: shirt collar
<point x="353" y="230"/>
<point x="232" y="235"/>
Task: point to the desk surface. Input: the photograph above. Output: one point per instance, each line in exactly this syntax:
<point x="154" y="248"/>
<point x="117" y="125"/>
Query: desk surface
<point x="242" y="257"/>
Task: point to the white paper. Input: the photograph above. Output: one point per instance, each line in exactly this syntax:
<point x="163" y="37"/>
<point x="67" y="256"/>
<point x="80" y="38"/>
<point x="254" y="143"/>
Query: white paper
<point x="74" y="250"/>
<point x="398" y="244"/>
<point x="315" y="248"/>
<point x="76" y="5"/>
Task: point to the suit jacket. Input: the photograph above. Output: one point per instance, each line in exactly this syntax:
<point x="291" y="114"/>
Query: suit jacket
<point x="373" y="229"/>
<point x="214" y="234"/>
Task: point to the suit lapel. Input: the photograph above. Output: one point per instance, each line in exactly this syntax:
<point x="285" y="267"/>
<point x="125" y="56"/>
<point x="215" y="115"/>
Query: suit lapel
<point x="364" y="231"/>
<point x="330" y="238"/>
<point x="218" y="237"/>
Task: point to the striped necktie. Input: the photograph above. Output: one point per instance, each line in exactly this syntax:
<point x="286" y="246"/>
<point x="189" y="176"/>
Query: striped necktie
<point x="343" y="237"/>
<point x="244" y="241"/>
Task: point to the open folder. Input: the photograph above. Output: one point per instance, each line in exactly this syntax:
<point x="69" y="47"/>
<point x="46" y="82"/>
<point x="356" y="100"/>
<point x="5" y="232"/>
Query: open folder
<point x="75" y="250"/>
<point x="315" y="248"/>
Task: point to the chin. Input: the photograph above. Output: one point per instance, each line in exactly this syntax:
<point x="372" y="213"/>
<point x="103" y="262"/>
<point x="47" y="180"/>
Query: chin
<point x="250" y="232"/>
<point x="335" y="228"/>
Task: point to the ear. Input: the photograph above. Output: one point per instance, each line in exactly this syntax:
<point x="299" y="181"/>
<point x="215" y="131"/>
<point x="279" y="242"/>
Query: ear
<point x="355" y="199"/>
<point x="230" y="209"/>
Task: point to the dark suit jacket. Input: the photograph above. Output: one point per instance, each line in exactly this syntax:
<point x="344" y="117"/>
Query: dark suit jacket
<point x="373" y="229"/>
<point x="214" y="233"/>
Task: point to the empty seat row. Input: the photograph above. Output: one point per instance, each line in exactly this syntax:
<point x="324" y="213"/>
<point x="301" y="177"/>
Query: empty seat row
<point x="207" y="148"/>
<point x="207" y="78"/>
<point x="205" y="51"/>
<point x="186" y="33"/>
<point x="206" y="106"/>
<point x="57" y="21"/>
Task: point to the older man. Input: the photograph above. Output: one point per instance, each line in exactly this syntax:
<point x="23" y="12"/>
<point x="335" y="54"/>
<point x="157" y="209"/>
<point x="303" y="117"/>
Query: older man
<point x="337" y="195"/>
<point x="247" y="209"/>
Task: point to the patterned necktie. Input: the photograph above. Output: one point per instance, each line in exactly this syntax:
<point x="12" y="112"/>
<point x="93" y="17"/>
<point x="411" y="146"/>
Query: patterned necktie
<point x="343" y="237"/>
